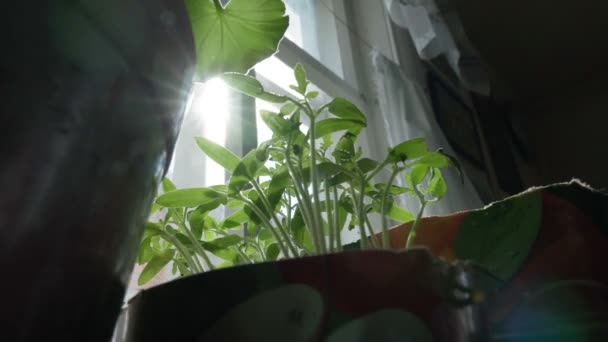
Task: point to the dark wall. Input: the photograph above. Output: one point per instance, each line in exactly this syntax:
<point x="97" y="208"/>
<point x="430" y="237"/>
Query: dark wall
<point x="549" y="65"/>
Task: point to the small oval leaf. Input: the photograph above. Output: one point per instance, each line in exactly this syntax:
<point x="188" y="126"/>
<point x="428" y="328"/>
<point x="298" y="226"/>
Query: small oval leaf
<point x="328" y="126"/>
<point x="154" y="266"/>
<point x="344" y="109"/>
<point x="218" y="153"/>
<point x="191" y="198"/>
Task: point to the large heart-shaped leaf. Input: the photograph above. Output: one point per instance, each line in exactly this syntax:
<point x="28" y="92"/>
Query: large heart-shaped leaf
<point x="236" y="37"/>
<point x="499" y="237"/>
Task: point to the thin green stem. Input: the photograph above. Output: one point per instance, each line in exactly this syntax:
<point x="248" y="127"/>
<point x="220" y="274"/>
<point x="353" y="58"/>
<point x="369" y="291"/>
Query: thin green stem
<point x="218" y="5"/>
<point x="184" y="252"/>
<point x="265" y="222"/>
<point x="273" y="217"/>
<point x="376" y="170"/>
<point x="330" y="219"/>
<point x="303" y="200"/>
<point x="197" y="247"/>
<point x="412" y="235"/>
<point x="244" y="256"/>
<point x="315" y="182"/>
<point x="359" y="218"/>
<point x="385" y="235"/>
<point x="188" y="271"/>
<point x="337" y="220"/>
<point x="297" y="103"/>
<point x="363" y="215"/>
<point x="374" y="238"/>
<point x="288" y="207"/>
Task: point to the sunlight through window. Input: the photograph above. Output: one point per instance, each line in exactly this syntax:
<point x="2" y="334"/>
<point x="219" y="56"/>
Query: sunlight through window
<point x="214" y="120"/>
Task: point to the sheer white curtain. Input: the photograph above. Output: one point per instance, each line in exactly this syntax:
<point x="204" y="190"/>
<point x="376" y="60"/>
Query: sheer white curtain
<point x="406" y="113"/>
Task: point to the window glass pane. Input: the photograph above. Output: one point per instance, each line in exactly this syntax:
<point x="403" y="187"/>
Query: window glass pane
<point x="207" y="116"/>
<point x="313" y="27"/>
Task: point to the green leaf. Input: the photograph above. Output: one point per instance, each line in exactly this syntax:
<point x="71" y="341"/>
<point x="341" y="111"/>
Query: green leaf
<point x="417" y="175"/>
<point x="299" y="231"/>
<point x="329" y="126"/>
<point x="218" y="153"/>
<point x="210" y="223"/>
<point x="434" y="159"/>
<point x="155" y="208"/>
<point x="367" y="165"/>
<point x="251" y="86"/>
<point x="311" y="95"/>
<point x="221" y="247"/>
<point x="277" y="124"/>
<point x="152" y="229"/>
<point x="437" y="186"/>
<point x="327" y="142"/>
<point x="327" y="170"/>
<point x="500" y="236"/>
<point x="191" y="198"/>
<point x="288" y="108"/>
<point x="227" y="241"/>
<point x="400" y="215"/>
<point x="455" y="163"/>
<point x="411" y="149"/>
<point x="146" y="252"/>
<point x="155" y="265"/>
<point x="196" y="220"/>
<point x="266" y="234"/>
<point x="394" y="189"/>
<point x="300" y="75"/>
<point x="345" y="149"/>
<point x="344" y="109"/>
<point x="272" y="251"/>
<point x="228" y="254"/>
<point x="278" y="184"/>
<point x="235" y="219"/>
<point x="377" y="203"/>
<point x="245" y="171"/>
<point x="236" y="37"/>
<point x="168" y="185"/>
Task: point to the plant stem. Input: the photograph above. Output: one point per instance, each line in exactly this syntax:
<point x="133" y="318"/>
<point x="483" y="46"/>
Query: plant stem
<point x="288" y="208"/>
<point x="303" y="200"/>
<point x="412" y="235"/>
<point x="265" y="222"/>
<point x="376" y="171"/>
<point x="184" y="268"/>
<point x="182" y="249"/>
<point x="385" y="236"/>
<point x="197" y="247"/>
<point x="359" y="216"/>
<point x="243" y="255"/>
<point x="374" y="239"/>
<point x="218" y="5"/>
<point x="315" y="181"/>
<point x="273" y="216"/>
<point x="337" y="220"/>
<point x="330" y="219"/>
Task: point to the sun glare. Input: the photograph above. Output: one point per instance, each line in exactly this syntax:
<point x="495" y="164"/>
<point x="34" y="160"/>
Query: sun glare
<point x="215" y="112"/>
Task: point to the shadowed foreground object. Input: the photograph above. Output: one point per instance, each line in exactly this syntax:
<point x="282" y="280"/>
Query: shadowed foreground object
<point x="92" y="98"/>
<point x="560" y="291"/>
